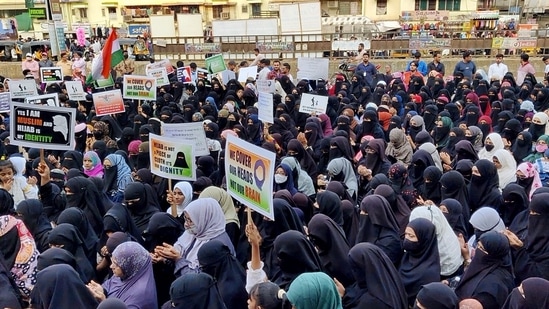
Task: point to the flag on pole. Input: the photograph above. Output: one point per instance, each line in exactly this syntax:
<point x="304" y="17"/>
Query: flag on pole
<point x="111" y="55"/>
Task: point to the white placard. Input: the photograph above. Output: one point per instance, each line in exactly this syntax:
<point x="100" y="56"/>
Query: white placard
<point x="312" y="68"/>
<point x="244" y="73"/>
<point x="5" y="102"/>
<point x="226" y="76"/>
<point x="75" y="91"/>
<point x="161" y="76"/>
<point x="266" y="85"/>
<point x="192" y="132"/>
<point x="51" y="99"/>
<point x="265" y="107"/>
<point x="20" y="89"/>
<point x="311" y="103"/>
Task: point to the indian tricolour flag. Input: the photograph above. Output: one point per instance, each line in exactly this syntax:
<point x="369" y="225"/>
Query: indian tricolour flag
<point x="111" y="55"/>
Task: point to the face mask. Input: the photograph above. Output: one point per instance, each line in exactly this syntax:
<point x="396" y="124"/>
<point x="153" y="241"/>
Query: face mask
<point x="541" y="148"/>
<point x="98" y="135"/>
<point x="191" y="229"/>
<point x="72" y="200"/>
<point x="308" y="135"/>
<point x="280" y="178"/>
<point x="335" y="153"/>
<point x="489" y="147"/>
<point x="209" y="134"/>
<point x="144" y="137"/>
<point x="471" y="138"/>
<point x="411" y="246"/>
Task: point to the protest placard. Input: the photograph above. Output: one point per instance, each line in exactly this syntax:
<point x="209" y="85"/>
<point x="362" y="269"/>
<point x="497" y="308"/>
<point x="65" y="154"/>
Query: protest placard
<point x="244" y="73"/>
<point x="215" y="63"/>
<point x="139" y="87"/>
<point x="108" y="102"/>
<point x="20" y="89"/>
<point x="266" y="85"/>
<point x="50" y="99"/>
<point x="265" y="107"/>
<point x="75" y="91"/>
<point x="192" y="133"/>
<point x="164" y="63"/>
<point x="227" y="75"/>
<point x="311" y="103"/>
<point x="51" y="75"/>
<point x="45" y="127"/>
<point x="184" y="75"/>
<point x="312" y="68"/>
<point x="161" y="76"/>
<point x="170" y="158"/>
<point x="5" y="102"/>
<point x="104" y="82"/>
<point x="249" y="170"/>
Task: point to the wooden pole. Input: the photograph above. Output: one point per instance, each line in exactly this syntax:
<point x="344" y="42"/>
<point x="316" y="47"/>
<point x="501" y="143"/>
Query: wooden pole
<point x="42" y="156"/>
<point x="249" y="211"/>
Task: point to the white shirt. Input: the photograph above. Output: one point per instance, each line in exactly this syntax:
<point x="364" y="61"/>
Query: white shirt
<point x="264" y="73"/>
<point x="257" y="58"/>
<point x="498" y="71"/>
<point x="546" y="69"/>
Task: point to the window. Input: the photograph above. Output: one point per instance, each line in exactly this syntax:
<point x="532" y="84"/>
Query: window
<point x="256" y="9"/>
<point x="244" y="8"/>
<point x="217" y="10"/>
<point x="381" y="8"/>
<point x="112" y="10"/>
<point x="449" y="5"/>
<point x="344" y="7"/>
<point x="430" y="5"/>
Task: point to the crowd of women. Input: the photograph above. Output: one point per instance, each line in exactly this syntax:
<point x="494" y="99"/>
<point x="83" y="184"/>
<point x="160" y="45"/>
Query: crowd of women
<point x="428" y="195"/>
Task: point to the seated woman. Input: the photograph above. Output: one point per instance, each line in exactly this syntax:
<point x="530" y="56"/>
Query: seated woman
<point x="314" y="291"/>
<point x="196" y="291"/>
<point x="133" y="280"/>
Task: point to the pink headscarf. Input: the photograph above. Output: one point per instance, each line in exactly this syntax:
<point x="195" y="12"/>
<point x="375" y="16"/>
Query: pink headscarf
<point x="326" y="125"/>
<point x="529" y="170"/>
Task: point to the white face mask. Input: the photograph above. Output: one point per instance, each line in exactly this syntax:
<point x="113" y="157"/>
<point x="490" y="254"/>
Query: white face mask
<point x="280" y="178"/>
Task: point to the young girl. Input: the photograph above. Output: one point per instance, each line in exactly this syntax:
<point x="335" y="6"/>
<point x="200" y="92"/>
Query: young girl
<point x="12" y="179"/>
<point x="92" y="165"/>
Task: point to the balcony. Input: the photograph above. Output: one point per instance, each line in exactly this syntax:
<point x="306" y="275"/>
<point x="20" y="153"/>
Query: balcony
<point x="264" y="14"/>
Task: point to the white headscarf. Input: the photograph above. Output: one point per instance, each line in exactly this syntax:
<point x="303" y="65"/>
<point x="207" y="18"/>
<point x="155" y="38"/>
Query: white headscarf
<point x="304" y="182"/>
<point x="507" y="172"/>
<point x="498" y="144"/>
<point x="187" y="191"/>
<point x="448" y="243"/>
<point x="485" y="219"/>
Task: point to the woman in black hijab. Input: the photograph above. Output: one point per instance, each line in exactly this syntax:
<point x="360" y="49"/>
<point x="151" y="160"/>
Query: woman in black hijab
<point x="453" y="213"/>
<point x="379" y="226"/>
<point x="216" y="260"/>
<point x="375" y="159"/>
<point x="194" y="291"/>
<point x="452" y="185"/>
<point x="401" y="183"/>
<point x="531" y="259"/>
<point x="72" y="159"/>
<point x="296" y="255"/>
<point x="285" y="220"/>
<point x="82" y="193"/>
<point x="78" y="219"/>
<point x="489" y="278"/>
<point x="421" y="159"/>
<point x="522" y="146"/>
<point x="141" y="203"/>
<point x="531" y="294"/>
<point x="378" y="284"/>
<point x="10" y="297"/>
<point x="308" y="164"/>
<point x="128" y="136"/>
<point x="483" y="189"/>
<point x="430" y="190"/>
<point x="332" y="247"/>
<point x="66" y="236"/>
<point x="398" y="206"/>
<point x="514" y="201"/>
<point x="32" y="214"/>
<point x="118" y="219"/>
<point x="54" y="256"/>
<point x="436" y="295"/>
<point x="52" y="286"/>
<point x="329" y="204"/>
<point x="350" y="221"/>
<point x="421" y="263"/>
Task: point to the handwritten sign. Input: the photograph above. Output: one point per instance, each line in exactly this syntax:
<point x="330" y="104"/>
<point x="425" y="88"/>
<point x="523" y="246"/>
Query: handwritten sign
<point x="311" y="103"/>
<point x="250" y="171"/>
<point x="43" y="127"/>
<point x="192" y="133"/>
<point x="312" y="68"/>
<point x="161" y="76"/>
<point x="170" y="158"/>
<point x="108" y="102"/>
<point x="139" y="87"/>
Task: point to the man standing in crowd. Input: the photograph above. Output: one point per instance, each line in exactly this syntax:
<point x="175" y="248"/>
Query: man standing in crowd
<point x="126" y="67"/>
<point x="264" y="69"/>
<point x="467" y="67"/>
<point x="361" y="52"/>
<point x="497" y="70"/>
<point x="275" y="72"/>
<point x="525" y="67"/>
<point x="367" y="70"/>
<point x="258" y="57"/>
<point x="32" y="65"/>
<point x="546" y="62"/>
<point x="421" y="65"/>
<point x="65" y="64"/>
<point x="45" y="62"/>
<point x="285" y="70"/>
<point x="436" y="65"/>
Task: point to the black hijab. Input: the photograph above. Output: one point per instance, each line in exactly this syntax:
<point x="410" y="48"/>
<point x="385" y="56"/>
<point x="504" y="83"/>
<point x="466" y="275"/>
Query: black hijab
<point x="453" y="186"/>
<point x="350" y="221"/>
<point x="454" y="216"/>
<point x="522" y="146"/>
<point x="437" y="295"/>
<point x="332" y="246"/>
<point x="216" y="260"/>
<point x="534" y="295"/>
<point x="378" y="284"/>
<point x="52" y="285"/>
<point x="84" y="195"/>
<point x="421" y="159"/>
<point x="514" y="201"/>
<point x="10" y="296"/>
<point x="483" y="190"/>
<point x="118" y="219"/>
<point x="7" y="205"/>
<point x="421" y="262"/>
<point x="162" y="228"/>
<point x="78" y="219"/>
<point x="329" y="204"/>
<point x="398" y="205"/>
<point x="54" y="256"/>
<point x="145" y="204"/>
<point x="296" y="255"/>
<point x="32" y="213"/>
<point x="379" y="226"/>
<point x="197" y="291"/>
<point x="430" y="190"/>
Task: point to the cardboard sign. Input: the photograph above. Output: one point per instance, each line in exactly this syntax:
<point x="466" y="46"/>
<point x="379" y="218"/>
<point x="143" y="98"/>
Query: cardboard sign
<point x="170" y="158"/>
<point x="161" y="76"/>
<point x="108" y="102"/>
<point x="312" y="68"/>
<point x="311" y="103"/>
<point x="165" y="63"/>
<point x="227" y="75"/>
<point x="75" y="91"/>
<point x="5" y="102"/>
<point x="51" y="75"/>
<point x="139" y="87"/>
<point x="265" y="107"/>
<point x="266" y="85"/>
<point x="216" y="64"/>
<point x="104" y="82"/>
<point x="20" y="89"/>
<point x="184" y="75"/>
<point x="244" y="73"/>
<point x="250" y="172"/>
<point x="43" y="127"/>
<point x="192" y="133"/>
<point x="51" y="99"/>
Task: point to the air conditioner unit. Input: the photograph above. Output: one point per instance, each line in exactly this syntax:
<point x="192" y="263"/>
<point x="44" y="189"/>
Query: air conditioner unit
<point x="332" y="4"/>
<point x="225" y="15"/>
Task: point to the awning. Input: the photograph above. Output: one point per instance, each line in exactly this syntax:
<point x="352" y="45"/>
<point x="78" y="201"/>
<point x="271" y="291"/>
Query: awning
<point x="535" y="6"/>
<point x="384" y="26"/>
<point x="79" y="6"/>
<point x="346" y="20"/>
<point x="110" y="3"/>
